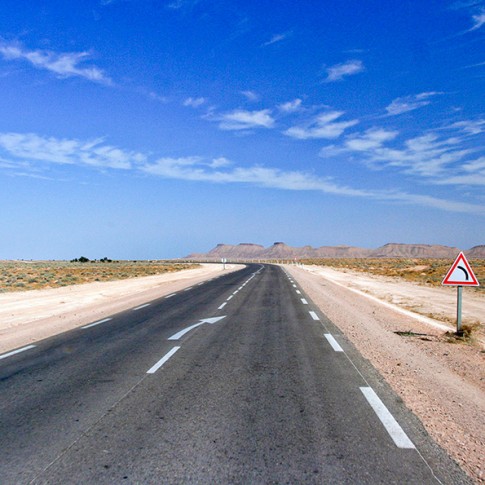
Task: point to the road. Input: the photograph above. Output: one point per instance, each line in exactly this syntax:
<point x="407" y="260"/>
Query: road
<point x="237" y="380"/>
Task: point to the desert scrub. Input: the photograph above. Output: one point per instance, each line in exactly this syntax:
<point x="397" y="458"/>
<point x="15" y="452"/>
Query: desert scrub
<point x="28" y="275"/>
<point x="424" y="271"/>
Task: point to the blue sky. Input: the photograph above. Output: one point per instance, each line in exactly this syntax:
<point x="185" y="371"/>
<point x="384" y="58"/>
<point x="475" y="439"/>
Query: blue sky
<point x="141" y="129"/>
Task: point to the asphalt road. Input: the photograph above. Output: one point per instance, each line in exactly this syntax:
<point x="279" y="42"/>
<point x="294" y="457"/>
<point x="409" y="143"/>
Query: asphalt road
<point x="262" y="389"/>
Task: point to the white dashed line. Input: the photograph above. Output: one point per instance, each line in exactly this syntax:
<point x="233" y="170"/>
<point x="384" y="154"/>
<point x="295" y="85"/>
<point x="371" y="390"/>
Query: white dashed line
<point x="189" y="288"/>
<point x="170" y="296"/>
<point x="230" y="298"/>
<point x="397" y="434"/>
<point x="335" y="345"/>
<point x="304" y="301"/>
<point x="314" y="315"/>
<point x="298" y="292"/>
<point x="8" y="354"/>
<point x="222" y="306"/>
<point x="294" y="286"/>
<point x="141" y="306"/>
<point x="97" y="323"/>
<point x="162" y="361"/>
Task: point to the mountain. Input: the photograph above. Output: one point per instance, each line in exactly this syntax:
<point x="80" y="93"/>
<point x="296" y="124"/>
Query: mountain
<point x="394" y="250"/>
<point x="280" y="250"/>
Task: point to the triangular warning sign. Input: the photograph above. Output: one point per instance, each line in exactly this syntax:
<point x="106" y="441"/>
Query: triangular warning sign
<point x="460" y="273"/>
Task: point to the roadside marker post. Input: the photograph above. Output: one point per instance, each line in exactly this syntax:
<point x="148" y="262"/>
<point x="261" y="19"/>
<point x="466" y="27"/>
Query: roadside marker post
<point x="460" y="274"/>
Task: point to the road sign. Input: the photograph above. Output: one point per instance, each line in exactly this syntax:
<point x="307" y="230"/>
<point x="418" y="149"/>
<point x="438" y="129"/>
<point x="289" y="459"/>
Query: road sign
<point x="460" y="274"/>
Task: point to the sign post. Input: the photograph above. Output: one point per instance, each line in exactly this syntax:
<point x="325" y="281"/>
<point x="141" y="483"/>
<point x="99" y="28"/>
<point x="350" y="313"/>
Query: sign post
<point x="460" y="275"/>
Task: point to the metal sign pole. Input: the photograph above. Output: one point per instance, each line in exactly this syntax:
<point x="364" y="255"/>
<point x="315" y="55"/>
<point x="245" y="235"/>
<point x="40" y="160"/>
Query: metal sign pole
<point x="458" y="309"/>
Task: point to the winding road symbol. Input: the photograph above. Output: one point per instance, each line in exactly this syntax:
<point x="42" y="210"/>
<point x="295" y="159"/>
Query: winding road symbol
<point x="467" y="276"/>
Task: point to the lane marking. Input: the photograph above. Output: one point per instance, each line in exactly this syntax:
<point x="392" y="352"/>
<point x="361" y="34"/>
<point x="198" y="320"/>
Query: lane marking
<point x="13" y="352"/>
<point x="141" y="306"/>
<point x="97" y="323"/>
<point x="397" y="434"/>
<point x="335" y="345"/>
<point x="170" y="296"/>
<point x="222" y="306"/>
<point x="304" y="301"/>
<point x="298" y="292"/>
<point x="314" y="315"/>
<point x="189" y="288"/>
<point x="162" y="361"/>
<point x="232" y="296"/>
<point x="179" y="335"/>
<point x="294" y="286"/>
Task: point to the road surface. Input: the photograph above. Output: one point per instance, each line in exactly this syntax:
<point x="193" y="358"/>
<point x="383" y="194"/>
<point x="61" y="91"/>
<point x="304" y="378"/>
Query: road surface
<point x="236" y="380"/>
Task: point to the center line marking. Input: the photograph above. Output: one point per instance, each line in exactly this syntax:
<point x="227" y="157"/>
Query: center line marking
<point x="335" y="345"/>
<point x="222" y="306"/>
<point x="397" y="434"/>
<point x="232" y="296"/>
<point x="141" y="306"/>
<point x="8" y="354"/>
<point x="304" y="301"/>
<point x="162" y="361"/>
<point x="97" y="323"/>
<point x="314" y="315"/>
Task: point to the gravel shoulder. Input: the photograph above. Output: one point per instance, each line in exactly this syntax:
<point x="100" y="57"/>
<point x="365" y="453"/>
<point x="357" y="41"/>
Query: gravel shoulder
<point x="29" y="316"/>
<point x="443" y="383"/>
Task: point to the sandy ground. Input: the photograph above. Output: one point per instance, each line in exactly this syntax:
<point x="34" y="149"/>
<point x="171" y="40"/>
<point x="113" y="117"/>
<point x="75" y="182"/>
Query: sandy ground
<point x="28" y="316"/>
<point x="443" y="383"/>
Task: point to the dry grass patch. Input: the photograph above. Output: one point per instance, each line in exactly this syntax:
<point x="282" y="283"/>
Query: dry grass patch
<point x="424" y="271"/>
<point x="36" y="275"/>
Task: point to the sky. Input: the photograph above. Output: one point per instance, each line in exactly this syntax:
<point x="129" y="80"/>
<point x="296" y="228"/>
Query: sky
<point x="151" y="129"/>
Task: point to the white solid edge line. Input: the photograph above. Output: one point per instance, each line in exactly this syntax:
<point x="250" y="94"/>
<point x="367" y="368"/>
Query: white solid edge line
<point x="162" y="361"/>
<point x="314" y="315"/>
<point x="335" y="345"/>
<point x="397" y="434"/>
<point x="178" y="335"/>
<point x="304" y="301"/>
<point x="8" y="354"/>
<point x="141" y="306"/>
<point x="222" y="306"/>
<point x="97" y="323"/>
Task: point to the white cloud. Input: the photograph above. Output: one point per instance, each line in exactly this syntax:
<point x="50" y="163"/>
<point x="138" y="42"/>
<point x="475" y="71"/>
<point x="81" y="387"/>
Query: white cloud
<point x="323" y="126"/>
<point x="275" y="39"/>
<point x="250" y="95"/>
<point x="194" y="102"/>
<point x="410" y="103"/>
<point x="348" y="68"/>
<point x="64" y="64"/>
<point x="32" y="147"/>
<point x="370" y="139"/>
<point x="478" y="20"/>
<point x="470" y="127"/>
<point x="290" y="106"/>
<point x="246" y="120"/>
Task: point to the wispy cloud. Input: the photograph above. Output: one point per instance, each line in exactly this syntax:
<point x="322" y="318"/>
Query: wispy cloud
<point x="410" y="103"/>
<point x="276" y="38"/>
<point x="250" y="95"/>
<point x="430" y="156"/>
<point x="323" y="126"/>
<point x="194" y="102"/>
<point x="30" y="147"/>
<point x="246" y="120"/>
<point x="478" y="20"/>
<point x="290" y="106"/>
<point x="348" y="68"/>
<point x="63" y="64"/>
<point x="20" y="152"/>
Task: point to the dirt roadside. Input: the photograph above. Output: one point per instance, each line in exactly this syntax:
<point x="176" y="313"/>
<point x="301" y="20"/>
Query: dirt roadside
<point x="443" y="383"/>
<point x="29" y="316"/>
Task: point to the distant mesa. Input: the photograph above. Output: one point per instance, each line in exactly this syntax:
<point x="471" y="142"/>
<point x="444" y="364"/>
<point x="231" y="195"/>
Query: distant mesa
<point x="280" y="250"/>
